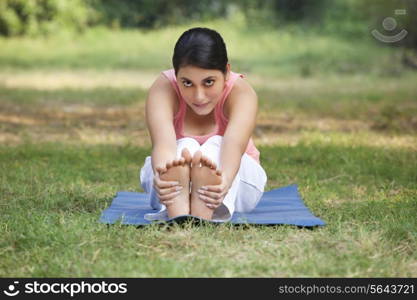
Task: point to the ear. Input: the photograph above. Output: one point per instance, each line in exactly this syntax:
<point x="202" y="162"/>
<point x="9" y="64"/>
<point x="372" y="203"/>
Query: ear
<point x="228" y="71"/>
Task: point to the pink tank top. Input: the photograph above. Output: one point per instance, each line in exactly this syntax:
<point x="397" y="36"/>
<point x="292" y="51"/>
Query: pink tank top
<point x="221" y="120"/>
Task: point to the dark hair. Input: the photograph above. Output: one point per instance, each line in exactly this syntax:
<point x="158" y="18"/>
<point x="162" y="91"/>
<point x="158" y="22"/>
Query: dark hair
<point x="200" y="47"/>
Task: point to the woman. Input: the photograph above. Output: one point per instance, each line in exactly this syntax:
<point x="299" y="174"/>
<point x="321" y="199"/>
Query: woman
<point x="200" y="116"/>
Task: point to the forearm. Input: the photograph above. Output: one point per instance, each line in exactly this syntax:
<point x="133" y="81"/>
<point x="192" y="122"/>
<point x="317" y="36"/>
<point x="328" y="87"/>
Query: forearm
<point x="230" y="158"/>
<point x="161" y="155"/>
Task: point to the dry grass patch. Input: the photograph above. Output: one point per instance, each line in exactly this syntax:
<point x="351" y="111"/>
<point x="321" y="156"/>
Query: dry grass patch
<point x="79" y="79"/>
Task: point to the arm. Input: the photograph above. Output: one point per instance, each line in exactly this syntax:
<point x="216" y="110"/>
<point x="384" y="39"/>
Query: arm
<point x="159" y="120"/>
<point x="242" y="122"/>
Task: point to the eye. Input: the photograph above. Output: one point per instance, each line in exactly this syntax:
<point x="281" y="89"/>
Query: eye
<point x="188" y="83"/>
<point x="185" y="83"/>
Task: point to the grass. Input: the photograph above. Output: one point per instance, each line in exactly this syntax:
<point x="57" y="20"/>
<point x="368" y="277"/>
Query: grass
<point x="55" y="195"/>
<point x="72" y="134"/>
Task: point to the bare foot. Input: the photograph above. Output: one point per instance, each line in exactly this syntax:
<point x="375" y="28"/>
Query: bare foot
<point x="201" y="175"/>
<point x="179" y="170"/>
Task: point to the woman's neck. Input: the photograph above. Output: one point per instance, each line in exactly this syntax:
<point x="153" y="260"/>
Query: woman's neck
<point x="192" y="116"/>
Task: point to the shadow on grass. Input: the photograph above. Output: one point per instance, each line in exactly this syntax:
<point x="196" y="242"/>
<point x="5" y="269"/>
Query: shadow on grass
<point x="98" y="96"/>
<point x="194" y="222"/>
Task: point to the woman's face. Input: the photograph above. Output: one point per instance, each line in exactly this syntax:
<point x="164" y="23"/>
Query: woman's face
<point x="201" y="88"/>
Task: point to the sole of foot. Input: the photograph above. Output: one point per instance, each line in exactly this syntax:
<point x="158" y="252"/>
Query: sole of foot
<point x="179" y="170"/>
<point x="203" y="172"/>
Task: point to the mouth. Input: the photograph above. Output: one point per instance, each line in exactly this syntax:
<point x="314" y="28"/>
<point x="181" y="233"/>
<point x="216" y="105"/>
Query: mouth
<point x="200" y="105"/>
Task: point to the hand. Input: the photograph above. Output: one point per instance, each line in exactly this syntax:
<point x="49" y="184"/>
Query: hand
<point x="214" y="195"/>
<point x="166" y="190"/>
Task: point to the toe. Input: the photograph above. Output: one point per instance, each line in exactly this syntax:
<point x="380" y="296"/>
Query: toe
<point x="186" y="155"/>
<point x="161" y="170"/>
<point x="197" y="158"/>
<point x="207" y="162"/>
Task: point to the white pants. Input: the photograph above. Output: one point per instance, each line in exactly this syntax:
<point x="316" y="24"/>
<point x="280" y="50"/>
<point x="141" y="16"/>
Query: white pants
<point x="243" y="196"/>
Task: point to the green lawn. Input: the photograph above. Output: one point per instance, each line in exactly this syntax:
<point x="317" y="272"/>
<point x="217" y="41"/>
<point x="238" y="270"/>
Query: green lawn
<point x="340" y="123"/>
<point x="288" y="51"/>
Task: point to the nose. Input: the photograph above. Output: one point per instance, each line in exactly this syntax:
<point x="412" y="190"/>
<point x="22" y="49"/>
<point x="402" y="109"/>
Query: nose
<point x="199" y="95"/>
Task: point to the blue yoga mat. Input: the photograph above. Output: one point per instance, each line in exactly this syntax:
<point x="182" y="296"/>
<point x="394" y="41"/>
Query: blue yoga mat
<point x="278" y="206"/>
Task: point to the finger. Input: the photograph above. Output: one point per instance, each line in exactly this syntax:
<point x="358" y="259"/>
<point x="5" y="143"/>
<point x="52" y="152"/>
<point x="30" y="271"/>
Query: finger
<point x="169" y="196"/>
<point x="212" y="206"/>
<point x="175" y="163"/>
<point x="211" y="188"/>
<point x="210" y="194"/>
<point x="208" y="200"/>
<point x="167" y="203"/>
<point x="169" y="165"/>
<point x="219" y="172"/>
<point x="170" y="190"/>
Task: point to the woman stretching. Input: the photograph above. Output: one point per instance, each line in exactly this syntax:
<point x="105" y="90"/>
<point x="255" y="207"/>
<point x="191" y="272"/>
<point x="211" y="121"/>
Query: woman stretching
<point x="200" y="116"/>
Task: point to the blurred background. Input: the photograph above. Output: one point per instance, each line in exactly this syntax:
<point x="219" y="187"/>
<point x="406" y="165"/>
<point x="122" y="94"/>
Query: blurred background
<point x="78" y="71"/>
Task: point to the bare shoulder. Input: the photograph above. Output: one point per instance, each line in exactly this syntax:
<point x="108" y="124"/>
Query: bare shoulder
<point x="241" y="91"/>
<point x="162" y="82"/>
<point x="165" y="92"/>
<point x="242" y="85"/>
